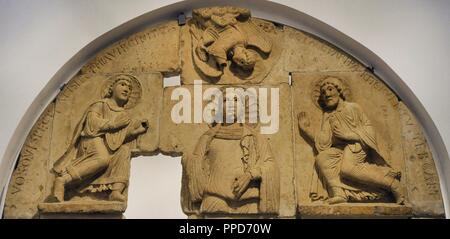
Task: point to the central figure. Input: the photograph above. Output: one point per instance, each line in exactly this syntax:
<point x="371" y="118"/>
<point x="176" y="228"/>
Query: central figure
<point x="231" y="171"/>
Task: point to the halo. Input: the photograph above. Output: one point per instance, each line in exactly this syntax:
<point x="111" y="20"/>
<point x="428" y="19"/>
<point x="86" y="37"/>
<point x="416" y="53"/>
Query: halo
<point x="316" y="90"/>
<point x="136" y="89"/>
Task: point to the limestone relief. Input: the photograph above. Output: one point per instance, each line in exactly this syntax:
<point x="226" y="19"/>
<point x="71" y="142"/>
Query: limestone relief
<point x="226" y="45"/>
<point x="97" y="160"/>
<point x="269" y="122"/>
<point x="347" y="151"/>
<point x="100" y="144"/>
<point x="232" y="170"/>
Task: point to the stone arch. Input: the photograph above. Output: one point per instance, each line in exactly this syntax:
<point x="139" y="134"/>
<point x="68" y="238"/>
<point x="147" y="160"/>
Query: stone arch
<point x="315" y="27"/>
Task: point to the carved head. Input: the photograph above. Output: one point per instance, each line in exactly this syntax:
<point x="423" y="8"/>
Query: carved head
<point x="244" y="57"/>
<point x="247" y="101"/>
<point x="229" y="110"/>
<point x="120" y="89"/>
<point x="331" y="92"/>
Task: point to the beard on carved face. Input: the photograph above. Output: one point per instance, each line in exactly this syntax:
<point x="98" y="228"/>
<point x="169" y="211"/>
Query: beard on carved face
<point x="330" y="96"/>
<point x="331" y="102"/>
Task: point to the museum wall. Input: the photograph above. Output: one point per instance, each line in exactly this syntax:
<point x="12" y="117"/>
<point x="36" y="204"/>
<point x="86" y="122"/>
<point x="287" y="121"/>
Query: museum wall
<point x="410" y="36"/>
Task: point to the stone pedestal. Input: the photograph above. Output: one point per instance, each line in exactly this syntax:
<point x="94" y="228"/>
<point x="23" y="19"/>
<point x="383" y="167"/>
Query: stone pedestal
<point x="82" y="210"/>
<point x="355" y="210"/>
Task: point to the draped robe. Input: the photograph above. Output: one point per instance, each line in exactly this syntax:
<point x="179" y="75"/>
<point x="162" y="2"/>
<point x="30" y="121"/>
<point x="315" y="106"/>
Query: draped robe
<point x="335" y="153"/>
<point x="208" y="175"/>
<point x="97" y="152"/>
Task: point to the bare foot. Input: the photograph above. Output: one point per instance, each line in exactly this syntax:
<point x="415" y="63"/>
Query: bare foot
<point x="117" y="196"/>
<point x="336" y="200"/>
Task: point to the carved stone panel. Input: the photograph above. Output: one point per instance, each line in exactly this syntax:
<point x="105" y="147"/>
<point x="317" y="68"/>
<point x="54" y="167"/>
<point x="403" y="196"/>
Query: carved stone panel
<point x="423" y="181"/>
<point x="28" y="182"/>
<point x="83" y="106"/>
<point x="182" y="138"/>
<point x="317" y="136"/>
<point x="225" y="45"/>
<point x="307" y="53"/>
<point x="348" y="167"/>
<point x="86" y="89"/>
<point x="155" y="49"/>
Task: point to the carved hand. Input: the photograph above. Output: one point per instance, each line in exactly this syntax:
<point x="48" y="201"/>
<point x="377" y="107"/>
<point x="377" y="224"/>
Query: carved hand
<point x="145" y="124"/>
<point x="240" y="184"/>
<point x="303" y="121"/>
<point x="202" y="53"/>
<point x="350" y="136"/>
<point x="142" y="128"/>
<point x="345" y="134"/>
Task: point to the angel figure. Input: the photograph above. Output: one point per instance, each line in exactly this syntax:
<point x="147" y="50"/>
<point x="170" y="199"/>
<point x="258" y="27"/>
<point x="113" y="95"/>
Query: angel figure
<point x="224" y="35"/>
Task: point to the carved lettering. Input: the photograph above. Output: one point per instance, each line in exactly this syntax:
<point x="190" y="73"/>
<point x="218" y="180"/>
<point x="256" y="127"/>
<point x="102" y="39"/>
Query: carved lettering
<point x="378" y="86"/>
<point x="421" y="152"/>
<point x="28" y="152"/>
<point x="125" y="45"/>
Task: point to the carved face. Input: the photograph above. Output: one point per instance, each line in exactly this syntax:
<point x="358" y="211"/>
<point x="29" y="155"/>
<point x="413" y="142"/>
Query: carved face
<point x="244" y="58"/>
<point x="229" y="111"/>
<point x="330" y="95"/>
<point x="121" y="91"/>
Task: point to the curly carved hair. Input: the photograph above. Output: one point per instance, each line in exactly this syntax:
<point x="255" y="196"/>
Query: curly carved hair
<point x="336" y="83"/>
<point x="109" y="91"/>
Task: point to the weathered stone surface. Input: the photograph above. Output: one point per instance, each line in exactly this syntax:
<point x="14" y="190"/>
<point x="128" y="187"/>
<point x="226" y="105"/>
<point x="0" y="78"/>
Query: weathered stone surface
<point x="78" y="98"/>
<point x="182" y="139"/>
<point x="374" y="99"/>
<point x="81" y="216"/>
<point x="355" y="210"/>
<point x="85" y="206"/>
<point x="27" y="186"/>
<point x="268" y="69"/>
<point x="345" y="147"/>
<point x="304" y="52"/>
<point x="151" y="50"/>
<point x="86" y="89"/>
<point x="423" y="182"/>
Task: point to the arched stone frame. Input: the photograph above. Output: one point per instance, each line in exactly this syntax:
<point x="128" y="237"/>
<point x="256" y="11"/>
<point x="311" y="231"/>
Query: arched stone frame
<point x="289" y="17"/>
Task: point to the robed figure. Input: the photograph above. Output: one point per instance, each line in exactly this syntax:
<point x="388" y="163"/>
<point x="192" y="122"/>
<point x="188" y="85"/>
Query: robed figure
<point x="231" y="171"/>
<point x="98" y="157"/>
<point x="349" y="160"/>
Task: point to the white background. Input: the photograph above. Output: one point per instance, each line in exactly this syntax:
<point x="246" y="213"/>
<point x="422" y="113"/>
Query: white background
<point x="37" y="37"/>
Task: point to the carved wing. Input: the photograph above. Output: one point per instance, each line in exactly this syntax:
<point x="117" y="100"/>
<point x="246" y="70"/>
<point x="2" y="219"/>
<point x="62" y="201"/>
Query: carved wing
<point x="208" y="68"/>
<point x="256" y="38"/>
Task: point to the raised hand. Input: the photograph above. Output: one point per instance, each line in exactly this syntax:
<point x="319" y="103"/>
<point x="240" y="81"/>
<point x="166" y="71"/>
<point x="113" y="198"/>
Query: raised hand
<point x="145" y="124"/>
<point x="303" y="121"/>
<point x="142" y="127"/>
